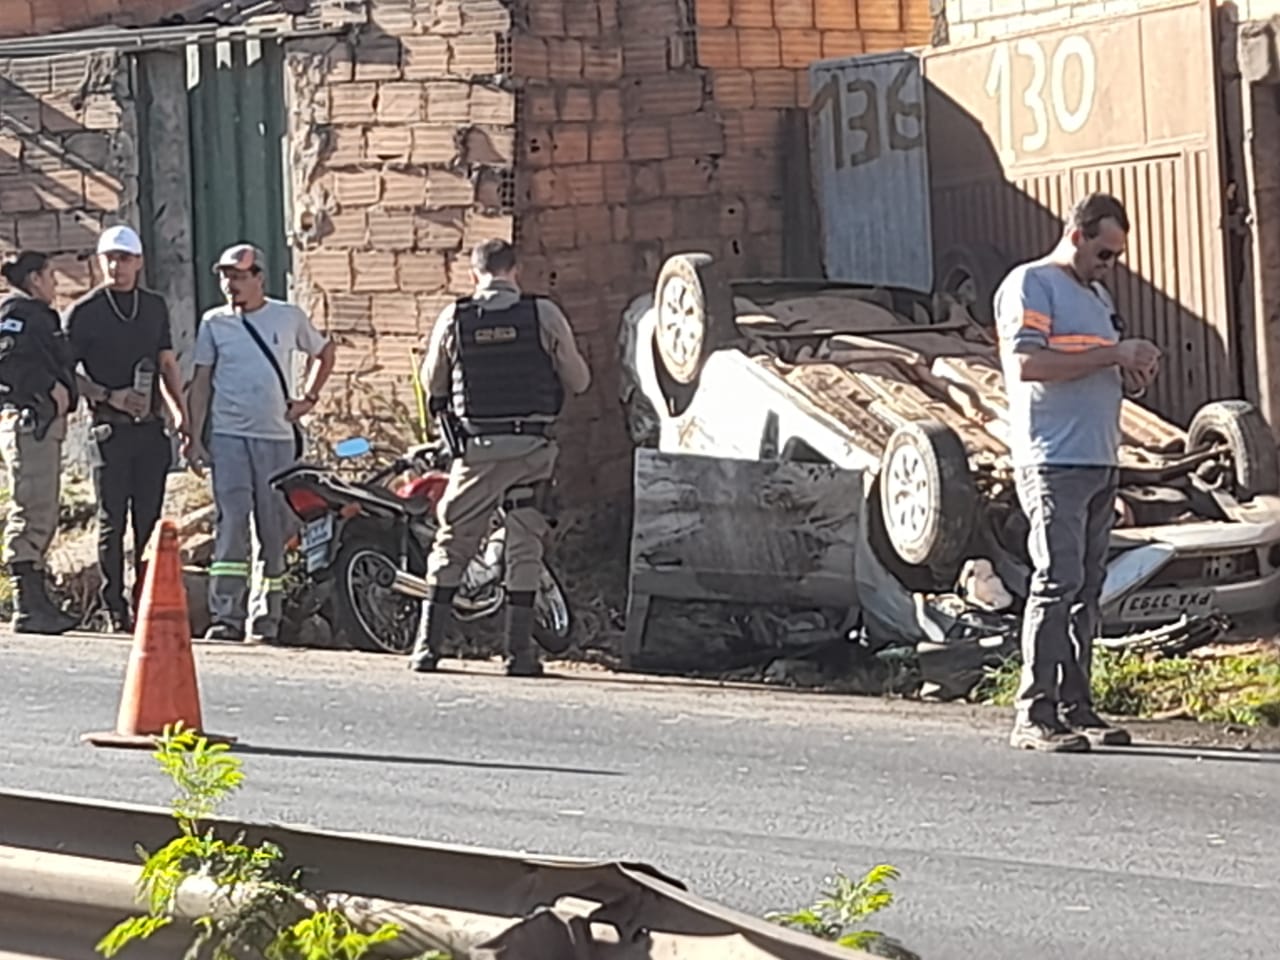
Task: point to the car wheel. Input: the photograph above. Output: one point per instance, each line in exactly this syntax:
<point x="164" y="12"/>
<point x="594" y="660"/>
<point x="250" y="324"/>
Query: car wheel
<point x="1239" y="425"/>
<point x="927" y="495"/>
<point x="694" y="303"/>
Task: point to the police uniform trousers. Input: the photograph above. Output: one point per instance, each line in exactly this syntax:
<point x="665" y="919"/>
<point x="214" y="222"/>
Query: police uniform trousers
<point x="35" y="479"/>
<point x="475" y="490"/>
<point x="248" y="509"/>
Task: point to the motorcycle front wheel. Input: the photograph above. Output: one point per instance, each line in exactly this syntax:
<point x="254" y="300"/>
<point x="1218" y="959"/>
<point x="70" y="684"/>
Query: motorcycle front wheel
<point x="553" y="617"/>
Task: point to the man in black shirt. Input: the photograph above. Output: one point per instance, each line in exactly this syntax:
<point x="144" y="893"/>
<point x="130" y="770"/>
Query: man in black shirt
<point x="120" y="334"/>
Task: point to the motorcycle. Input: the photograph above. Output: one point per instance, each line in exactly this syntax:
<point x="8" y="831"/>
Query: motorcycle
<point x="364" y="549"/>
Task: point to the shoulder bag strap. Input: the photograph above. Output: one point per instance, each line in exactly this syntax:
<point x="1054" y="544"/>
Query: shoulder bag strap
<point x="271" y="357"/>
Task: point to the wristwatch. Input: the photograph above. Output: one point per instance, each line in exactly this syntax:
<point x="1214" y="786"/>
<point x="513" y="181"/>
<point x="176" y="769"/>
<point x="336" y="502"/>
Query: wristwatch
<point x="312" y="398"/>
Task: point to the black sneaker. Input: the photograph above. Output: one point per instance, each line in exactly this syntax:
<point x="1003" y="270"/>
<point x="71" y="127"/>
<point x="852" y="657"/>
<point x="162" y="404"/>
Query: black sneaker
<point x="524" y="665"/>
<point x="1100" y="733"/>
<point x="1047" y="738"/>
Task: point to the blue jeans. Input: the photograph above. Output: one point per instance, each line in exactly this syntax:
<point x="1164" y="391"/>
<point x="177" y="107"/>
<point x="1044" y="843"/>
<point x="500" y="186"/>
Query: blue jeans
<point x="1071" y="511"/>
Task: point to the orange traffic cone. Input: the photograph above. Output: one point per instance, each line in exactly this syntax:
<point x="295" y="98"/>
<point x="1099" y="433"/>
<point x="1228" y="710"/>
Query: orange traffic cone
<point x="160" y="682"/>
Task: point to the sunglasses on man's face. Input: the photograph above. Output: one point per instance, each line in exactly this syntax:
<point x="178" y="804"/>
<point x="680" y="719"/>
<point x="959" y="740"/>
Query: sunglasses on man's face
<point x="1106" y="255"/>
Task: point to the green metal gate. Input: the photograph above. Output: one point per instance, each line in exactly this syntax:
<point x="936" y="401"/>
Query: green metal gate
<point x="235" y="93"/>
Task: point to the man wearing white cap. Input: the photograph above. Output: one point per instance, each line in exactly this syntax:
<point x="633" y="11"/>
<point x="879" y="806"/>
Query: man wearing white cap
<point x="121" y="340"/>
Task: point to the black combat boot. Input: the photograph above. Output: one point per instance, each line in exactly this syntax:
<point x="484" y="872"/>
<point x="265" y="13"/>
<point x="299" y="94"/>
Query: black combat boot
<point x="33" y="610"/>
<point x="522" y="659"/>
<point x="437" y="614"/>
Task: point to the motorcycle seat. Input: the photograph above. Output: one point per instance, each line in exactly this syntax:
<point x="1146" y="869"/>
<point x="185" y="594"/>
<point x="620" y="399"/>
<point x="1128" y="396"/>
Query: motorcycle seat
<point x="414" y="508"/>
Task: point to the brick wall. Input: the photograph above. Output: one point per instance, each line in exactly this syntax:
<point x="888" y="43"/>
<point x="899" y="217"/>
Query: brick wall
<point x="651" y="127"/>
<point x="22" y="17"/>
<point x="67" y="158"/>
<point x="402" y="155"/>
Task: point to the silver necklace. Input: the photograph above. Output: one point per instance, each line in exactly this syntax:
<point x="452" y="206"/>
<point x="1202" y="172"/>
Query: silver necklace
<point x="133" y="313"/>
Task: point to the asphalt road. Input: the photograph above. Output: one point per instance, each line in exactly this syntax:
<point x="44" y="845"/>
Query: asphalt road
<point x="751" y="797"/>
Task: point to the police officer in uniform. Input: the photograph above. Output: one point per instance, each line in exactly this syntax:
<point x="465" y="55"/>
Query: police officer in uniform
<point x="37" y="390"/>
<point x="496" y="372"/>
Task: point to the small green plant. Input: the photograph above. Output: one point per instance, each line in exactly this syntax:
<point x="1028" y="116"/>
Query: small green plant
<point x="256" y="904"/>
<point x="1240" y="688"/>
<point x="838" y="914"/>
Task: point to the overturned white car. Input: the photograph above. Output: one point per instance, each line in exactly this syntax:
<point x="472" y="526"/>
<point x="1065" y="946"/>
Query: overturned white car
<point x="908" y="390"/>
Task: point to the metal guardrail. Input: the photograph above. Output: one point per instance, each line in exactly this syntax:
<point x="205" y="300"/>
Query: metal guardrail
<point x="68" y="871"/>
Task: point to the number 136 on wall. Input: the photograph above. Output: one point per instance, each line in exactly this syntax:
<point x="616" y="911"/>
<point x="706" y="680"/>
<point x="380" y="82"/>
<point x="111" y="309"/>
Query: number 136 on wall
<point x="1045" y="94"/>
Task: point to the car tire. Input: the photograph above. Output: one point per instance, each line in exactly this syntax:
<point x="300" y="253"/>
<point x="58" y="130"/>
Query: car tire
<point x="971" y="275"/>
<point x="694" y="303"/>
<point x="928" y="499"/>
<point x="1238" y="424"/>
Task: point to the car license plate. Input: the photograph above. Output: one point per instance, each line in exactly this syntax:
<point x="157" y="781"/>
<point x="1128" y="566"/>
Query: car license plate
<point x="1167" y="604"/>
<point x="316" y="537"/>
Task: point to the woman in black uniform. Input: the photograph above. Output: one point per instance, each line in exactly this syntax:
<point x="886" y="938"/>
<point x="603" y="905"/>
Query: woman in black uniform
<point x="37" y="391"/>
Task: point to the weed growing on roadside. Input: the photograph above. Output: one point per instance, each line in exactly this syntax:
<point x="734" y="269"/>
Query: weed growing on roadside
<point x="837" y="915"/>
<point x="256" y="907"/>
<point x="1241" y="689"/>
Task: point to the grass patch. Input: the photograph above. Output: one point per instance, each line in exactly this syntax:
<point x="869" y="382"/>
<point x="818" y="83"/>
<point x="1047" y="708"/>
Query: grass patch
<point x="1241" y="688"/>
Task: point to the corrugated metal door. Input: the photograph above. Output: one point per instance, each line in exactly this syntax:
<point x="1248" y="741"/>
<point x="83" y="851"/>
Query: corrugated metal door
<point x="238" y="130"/>
<point x="1022" y="126"/>
<point x="870" y="169"/>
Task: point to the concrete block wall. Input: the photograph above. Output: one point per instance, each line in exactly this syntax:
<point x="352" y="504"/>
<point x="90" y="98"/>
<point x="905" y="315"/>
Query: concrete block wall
<point x="402" y="151"/>
<point x="68" y="159"/>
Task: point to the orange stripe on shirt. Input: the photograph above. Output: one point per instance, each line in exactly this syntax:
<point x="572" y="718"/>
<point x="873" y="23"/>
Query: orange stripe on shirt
<point x="1078" y="342"/>
<point x="1035" y="320"/>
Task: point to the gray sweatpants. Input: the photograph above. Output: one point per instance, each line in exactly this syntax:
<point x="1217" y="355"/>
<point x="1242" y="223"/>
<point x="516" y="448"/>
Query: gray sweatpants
<point x="248" y="511"/>
<point x="1071" y="510"/>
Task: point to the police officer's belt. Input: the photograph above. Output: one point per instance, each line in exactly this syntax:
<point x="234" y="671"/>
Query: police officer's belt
<point x="496" y="428"/>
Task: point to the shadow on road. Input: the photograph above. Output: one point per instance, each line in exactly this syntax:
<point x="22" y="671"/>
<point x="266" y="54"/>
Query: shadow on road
<point x="1216" y="754"/>
<point x="304" y="754"/>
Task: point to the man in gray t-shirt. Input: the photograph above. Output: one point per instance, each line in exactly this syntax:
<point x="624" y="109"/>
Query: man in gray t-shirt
<point x="251" y="416"/>
<point x="1066" y="371"/>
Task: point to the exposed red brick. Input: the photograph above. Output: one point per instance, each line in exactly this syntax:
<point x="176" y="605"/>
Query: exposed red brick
<point x="608" y="142"/>
<point x="486" y="16"/>
<point x="793" y="13"/>
<point x="350" y="312"/>
<point x="585" y="183"/>
<point x="529" y="57"/>
<point x="713" y="13"/>
<point x="760" y="129"/>
<point x="759" y="49"/>
<point x="564" y="59"/>
<point x="570" y="143"/>
<point x="424" y="57"/>
<point x="696" y="134"/>
<point x="879" y="16"/>
<point x="445" y="188"/>
<point x="65" y="189"/>
<point x="485" y="226"/>
<point x="346" y="146"/>
<point x="347" y="228"/>
<point x="609" y="105"/>
<point x="733" y="88"/>
<point x="752" y="13"/>
<point x="547" y="188"/>
<point x="644" y="54"/>
<point x="801" y="47"/>
<point x="403" y="188"/>
<point x="489" y="145"/>
<point x="421" y="272"/>
<point x="581" y="18"/>
<point x="389" y="143"/>
<point x="602" y="61"/>
<point x="617" y="182"/>
<point x="329" y="270"/>
<point x="541" y="104"/>
<point x="352" y="102"/>
<point x="395" y="313"/>
<point x="439" y="229"/>
<point x="665" y="94"/>
<point x="373" y="273"/>
<point x="392" y="229"/>
<point x="557" y="230"/>
<point x="434" y="143"/>
<point x="718" y="48"/>
<point x="39" y="231"/>
<point x="653" y="221"/>
<point x="841" y="43"/>
<point x="448" y="101"/>
<point x="648" y="140"/>
<point x="471" y="56"/>
<point x="835" y="15"/>
<point x="400" y="103"/>
<point x="775" y="88"/>
<point x="594" y="225"/>
<point x="546" y="18"/>
<point x="491" y="105"/>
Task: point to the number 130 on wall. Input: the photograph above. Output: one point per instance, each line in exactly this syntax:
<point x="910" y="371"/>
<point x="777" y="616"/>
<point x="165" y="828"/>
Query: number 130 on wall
<point x="1044" y="95"/>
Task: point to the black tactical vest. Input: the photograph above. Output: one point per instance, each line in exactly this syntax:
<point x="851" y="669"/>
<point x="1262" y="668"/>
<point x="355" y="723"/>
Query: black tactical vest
<point x="502" y="374"/>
